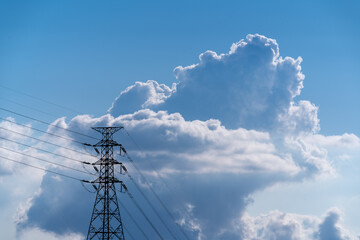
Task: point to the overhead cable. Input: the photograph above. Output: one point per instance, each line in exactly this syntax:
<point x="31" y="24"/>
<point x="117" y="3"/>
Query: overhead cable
<point x="42" y="131"/>
<point x="43" y="150"/>
<point x="43" y="160"/>
<point x="29" y="107"/>
<point x="150" y="187"/>
<point x="47" y="123"/>
<point x="142" y="212"/>
<point x="41" y="99"/>
<point x="150" y="204"/>
<point x="128" y="232"/>
<point x="43" y="169"/>
<point x="134" y="221"/>
<point x="40" y="140"/>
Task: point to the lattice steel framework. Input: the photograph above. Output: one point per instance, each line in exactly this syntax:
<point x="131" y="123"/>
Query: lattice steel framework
<point x="105" y="223"/>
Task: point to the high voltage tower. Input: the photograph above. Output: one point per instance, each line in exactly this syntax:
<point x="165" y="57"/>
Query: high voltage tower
<point x="105" y="223"/>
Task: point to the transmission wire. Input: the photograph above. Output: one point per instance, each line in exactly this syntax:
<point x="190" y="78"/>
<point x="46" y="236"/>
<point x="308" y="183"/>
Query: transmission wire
<point x="39" y="130"/>
<point x="43" y="122"/>
<point x="59" y="155"/>
<point x="150" y="204"/>
<point x="26" y="106"/>
<point x="128" y="232"/>
<point x="143" y="213"/>
<point x="40" y="140"/>
<point x="134" y="221"/>
<point x="43" y="169"/>
<point x="150" y="187"/>
<point x="42" y="100"/>
<point x="43" y="160"/>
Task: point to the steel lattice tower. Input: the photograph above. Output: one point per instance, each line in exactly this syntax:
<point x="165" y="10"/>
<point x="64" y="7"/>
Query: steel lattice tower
<point x="105" y="223"/>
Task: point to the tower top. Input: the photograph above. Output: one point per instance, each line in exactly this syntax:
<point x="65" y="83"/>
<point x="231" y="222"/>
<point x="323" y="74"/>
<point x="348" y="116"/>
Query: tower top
<point x="107" y="130"/>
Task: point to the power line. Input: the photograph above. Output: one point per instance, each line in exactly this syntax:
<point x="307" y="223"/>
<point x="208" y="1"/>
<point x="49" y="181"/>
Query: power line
<point x="83" y="185"/>
<point x="43" y="169"/>
<point x="40" y="140"/>
<point x="42" y="100"/>
<point x="150" y="204"/>
<point x="26" y="106"/>
<point x="150" y="187"/>
<point x="153" y="191"/>
<point x="47" y="123"/>
<point x="134" y="221"/>
<point x="59" y="155"/>
<point x="142" y="212"/>
<point x="43" y="160"/>
<point x="42" y="131"/>
<point x="128" y="232"/>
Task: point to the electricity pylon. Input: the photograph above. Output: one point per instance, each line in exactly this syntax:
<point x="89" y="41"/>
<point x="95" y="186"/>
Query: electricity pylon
<point x="105" y="223"/>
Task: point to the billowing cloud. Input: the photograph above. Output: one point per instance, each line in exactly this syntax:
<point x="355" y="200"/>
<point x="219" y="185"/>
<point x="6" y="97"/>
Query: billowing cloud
<point x="141" y="95"/>
<point x="37" y="233"/>
<point x="226" y="165"/>
<point x="277" y="225"/>
<point x="330" y="229"/>
<point x="251" y="87"/>
<point x="229" y="126"/>
<point x="7" y="167"/>
<point x="175" y="145"/>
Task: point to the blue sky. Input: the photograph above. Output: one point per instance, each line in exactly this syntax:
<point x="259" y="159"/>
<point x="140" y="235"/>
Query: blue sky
<point x="83" y="54"/>
<point x="57" y="49"/>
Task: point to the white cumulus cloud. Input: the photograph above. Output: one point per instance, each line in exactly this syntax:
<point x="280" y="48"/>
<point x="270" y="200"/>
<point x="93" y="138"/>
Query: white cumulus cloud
<point x="229" y="126"/>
